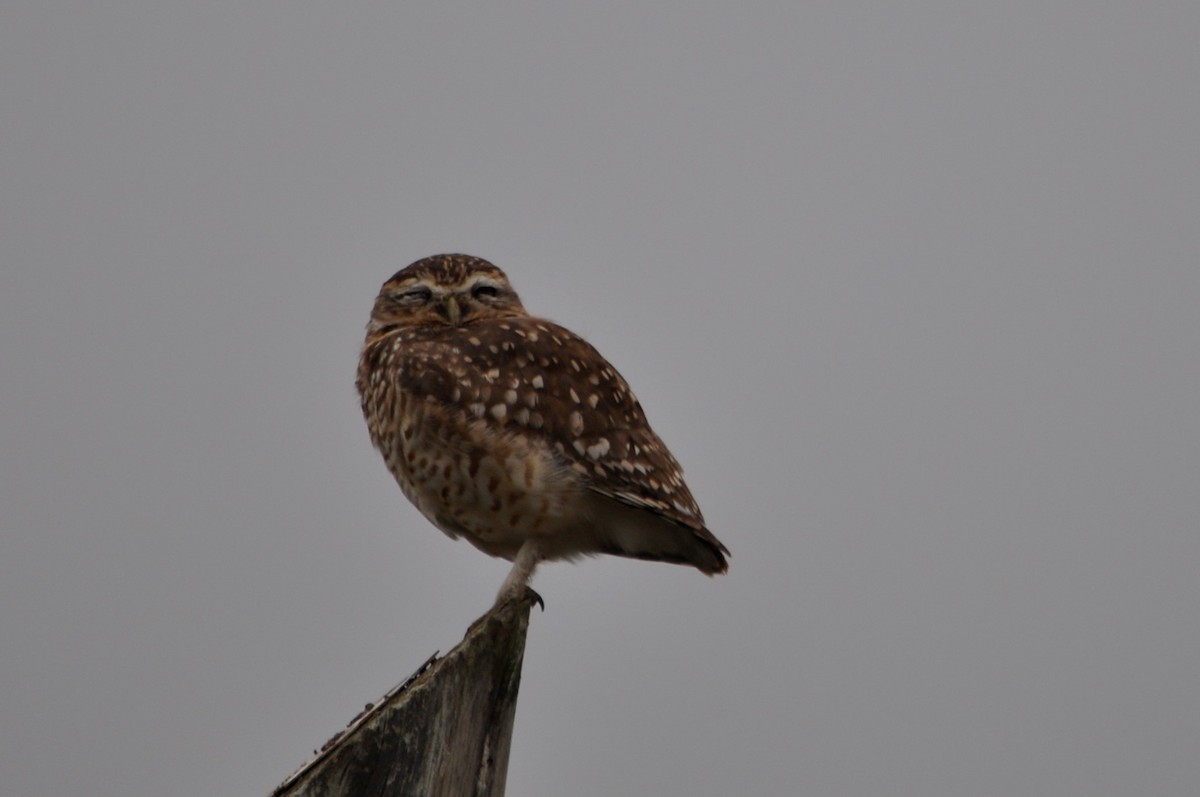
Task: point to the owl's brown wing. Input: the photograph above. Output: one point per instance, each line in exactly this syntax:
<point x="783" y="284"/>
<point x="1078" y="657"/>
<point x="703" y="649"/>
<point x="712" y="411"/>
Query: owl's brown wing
<point x="545" y="381"/>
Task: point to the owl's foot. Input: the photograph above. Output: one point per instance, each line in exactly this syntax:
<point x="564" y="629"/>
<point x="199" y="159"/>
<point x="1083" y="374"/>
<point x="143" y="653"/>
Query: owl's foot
<point x="516" y="586"/>
<point x="525" y="595"/>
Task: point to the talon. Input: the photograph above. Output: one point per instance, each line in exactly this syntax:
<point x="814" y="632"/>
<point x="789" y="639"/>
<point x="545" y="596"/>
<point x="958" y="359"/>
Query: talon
<point x="532" y="596"/>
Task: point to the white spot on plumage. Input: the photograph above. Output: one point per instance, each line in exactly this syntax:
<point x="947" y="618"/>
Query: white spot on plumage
<point x="599" y="449"/>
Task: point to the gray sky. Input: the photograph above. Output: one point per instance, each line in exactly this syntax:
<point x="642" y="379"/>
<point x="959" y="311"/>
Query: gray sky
<point x="910" y="289"/>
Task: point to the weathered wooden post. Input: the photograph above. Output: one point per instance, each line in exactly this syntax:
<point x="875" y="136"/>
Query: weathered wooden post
<point x="444" y="731"/>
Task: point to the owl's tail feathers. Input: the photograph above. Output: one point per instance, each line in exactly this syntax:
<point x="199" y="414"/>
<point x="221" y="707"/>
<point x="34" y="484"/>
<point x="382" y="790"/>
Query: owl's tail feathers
<point x="712" y="562"/>
<point x="637" y="533"/>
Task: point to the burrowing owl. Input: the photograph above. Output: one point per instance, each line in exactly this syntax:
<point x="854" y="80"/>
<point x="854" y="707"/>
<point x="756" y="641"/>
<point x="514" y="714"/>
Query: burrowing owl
<point x="513" y="432"/>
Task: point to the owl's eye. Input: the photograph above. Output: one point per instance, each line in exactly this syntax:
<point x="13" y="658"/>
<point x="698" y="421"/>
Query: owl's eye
<point x="485" y="291"/>
<point x="415" y="295"/>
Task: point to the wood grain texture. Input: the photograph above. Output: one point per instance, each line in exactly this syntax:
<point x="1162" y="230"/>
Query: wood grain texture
<point x="445" y="731"/>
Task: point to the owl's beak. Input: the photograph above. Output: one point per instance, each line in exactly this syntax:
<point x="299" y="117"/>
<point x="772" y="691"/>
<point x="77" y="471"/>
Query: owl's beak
<point x="453" y="311"/>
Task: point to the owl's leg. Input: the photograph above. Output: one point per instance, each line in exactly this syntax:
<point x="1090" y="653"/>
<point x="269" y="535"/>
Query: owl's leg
<point x="516" y="586"/>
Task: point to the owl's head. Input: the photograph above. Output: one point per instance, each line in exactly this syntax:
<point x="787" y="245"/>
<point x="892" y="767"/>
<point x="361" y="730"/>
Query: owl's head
<point x="444" y="290"/>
